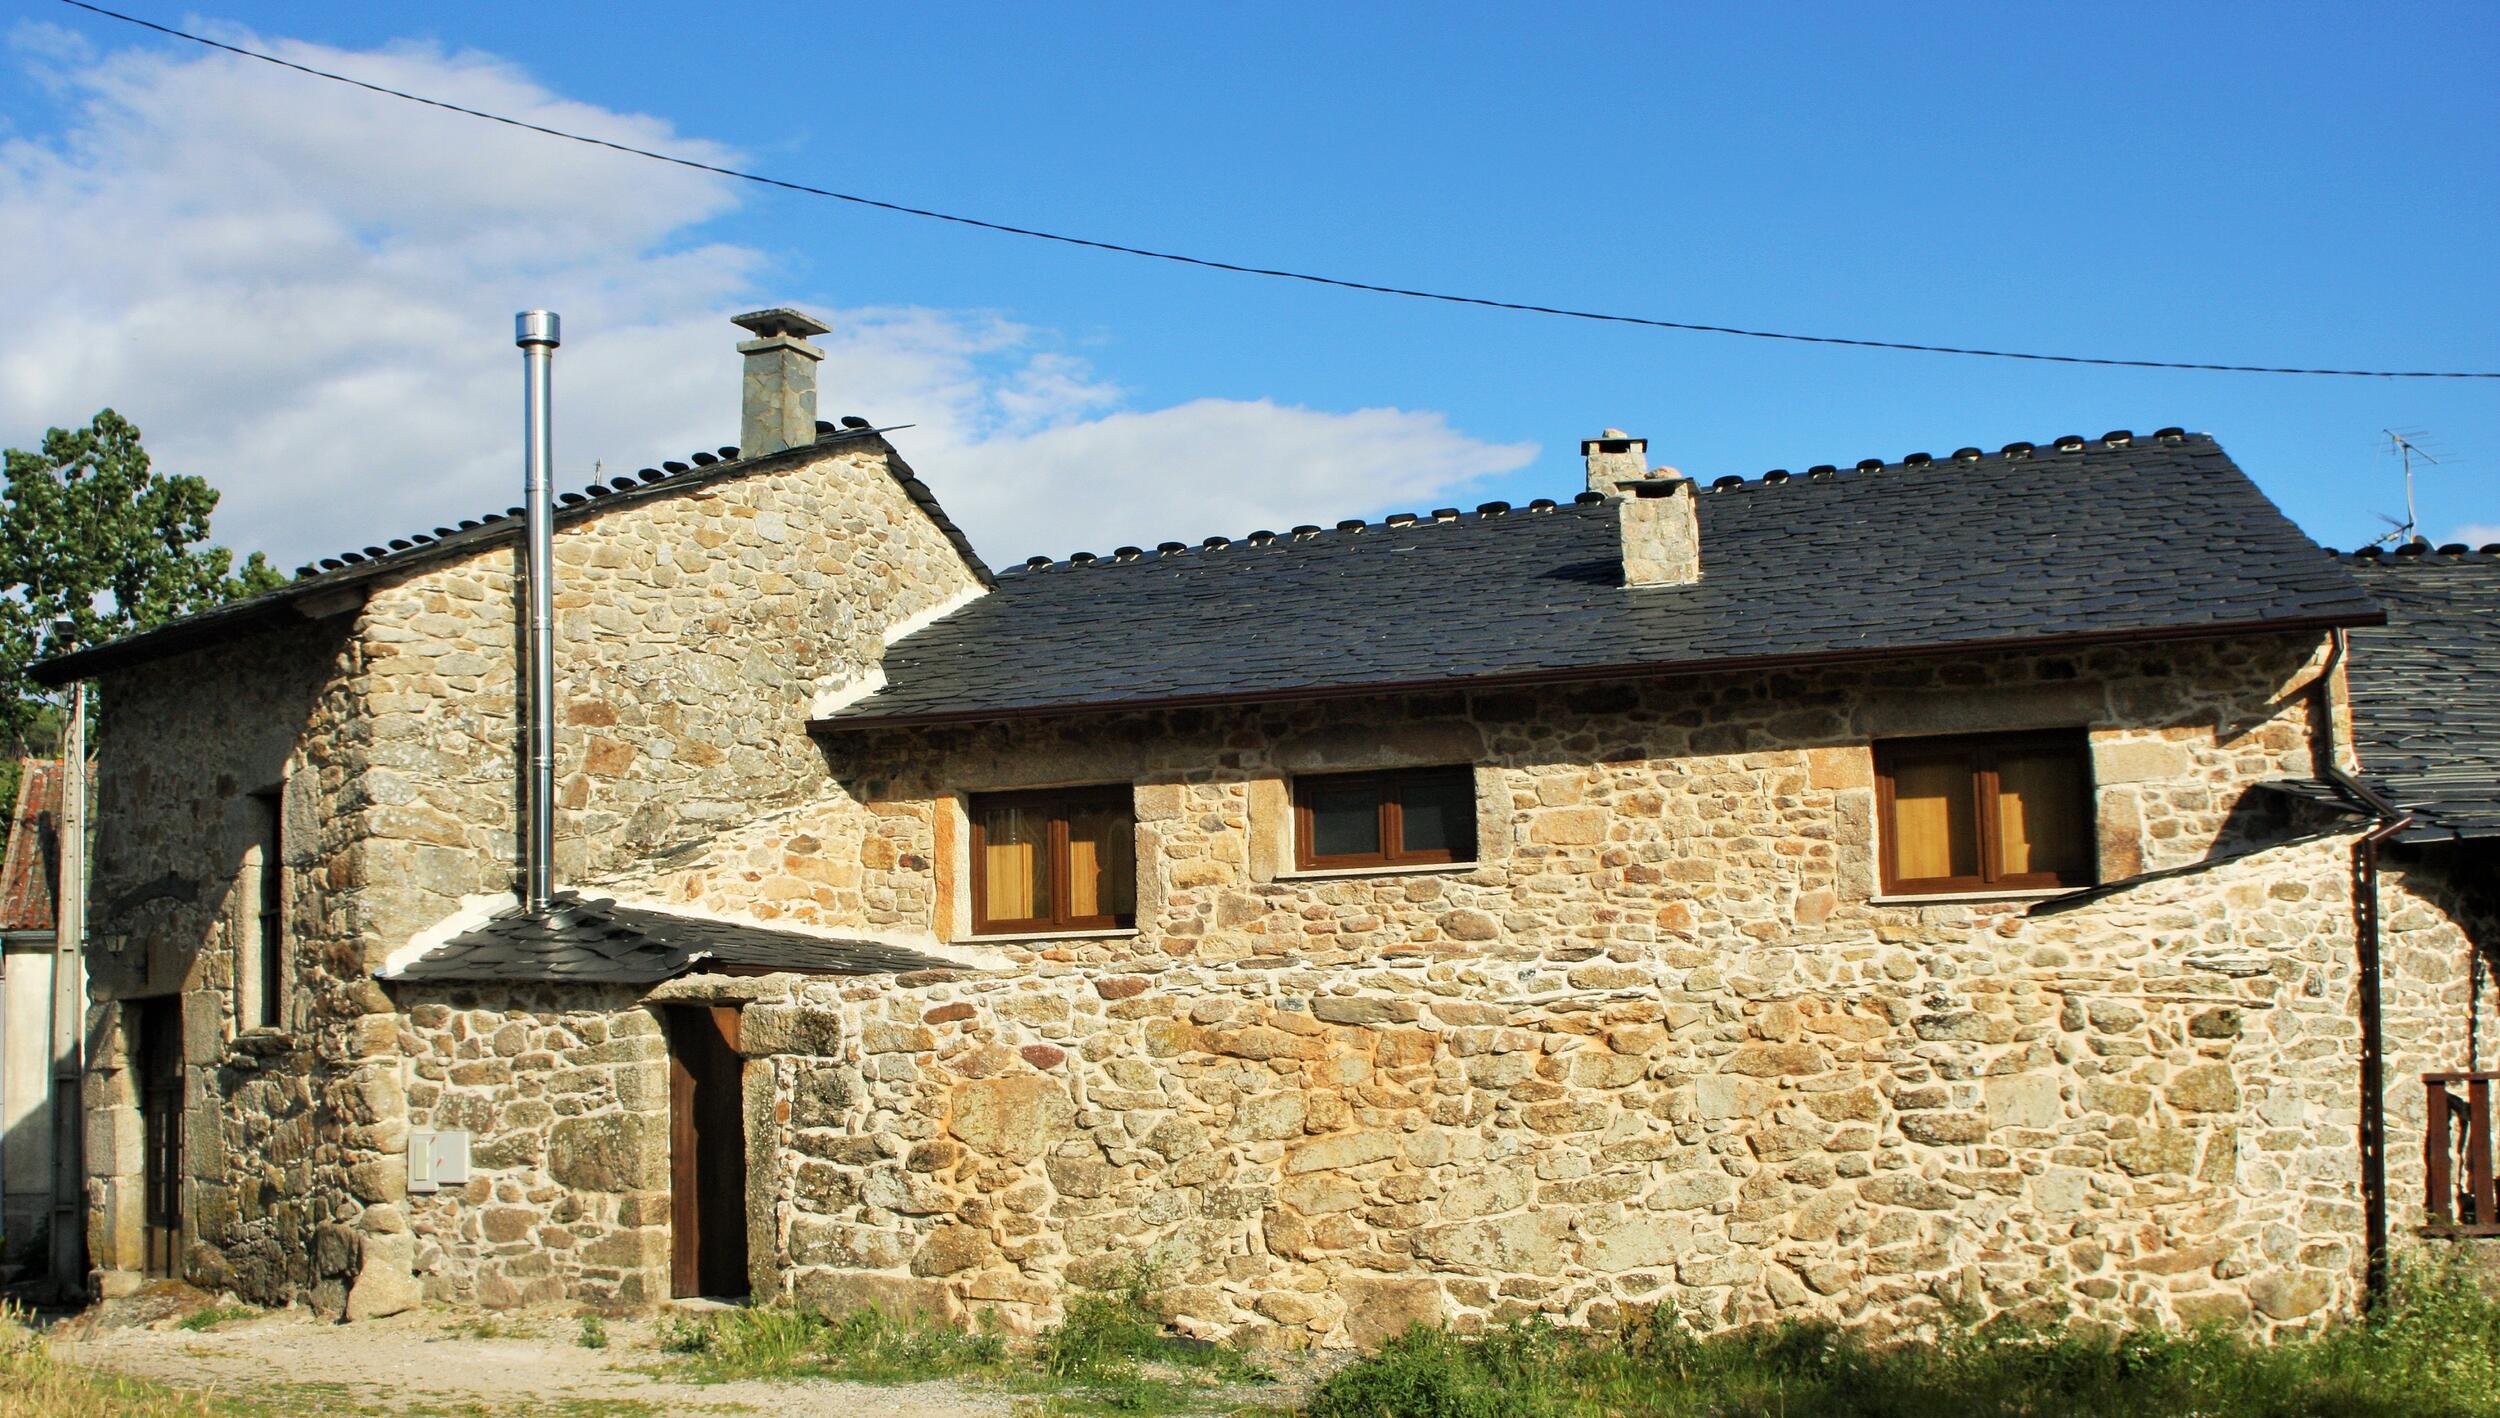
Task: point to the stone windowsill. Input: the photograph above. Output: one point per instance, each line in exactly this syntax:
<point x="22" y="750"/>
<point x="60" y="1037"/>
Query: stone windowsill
<point x="1118" y="933"/>
<point x="261" y="1042"/>
<point x="1409" y="869"/>
<point x="1974" y="898"/>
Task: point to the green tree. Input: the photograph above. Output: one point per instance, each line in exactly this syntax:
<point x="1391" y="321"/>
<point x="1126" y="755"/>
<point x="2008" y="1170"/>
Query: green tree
<point x="94" y="544"/>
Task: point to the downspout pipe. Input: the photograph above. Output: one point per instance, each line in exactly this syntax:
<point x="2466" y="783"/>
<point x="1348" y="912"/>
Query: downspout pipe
<point x="538" y="332"/>
<point x="2365" y="924"/>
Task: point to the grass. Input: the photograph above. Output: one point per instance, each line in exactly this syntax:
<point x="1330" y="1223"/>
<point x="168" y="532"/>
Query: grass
<point x="2432" y="1352"/>
<point x="593" y="1333"/>
<point x="214" y="1316"/>
<point x="489" y="1327"/>
<point x="1110" y="1354"/>
<point x="784" y="1342"/>
<point x="36" y="1385"/>
<point x="1111" y="1351"/>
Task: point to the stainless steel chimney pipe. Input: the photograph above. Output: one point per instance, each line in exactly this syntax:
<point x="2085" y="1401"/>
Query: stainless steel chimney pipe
<point x="538" y="332"/>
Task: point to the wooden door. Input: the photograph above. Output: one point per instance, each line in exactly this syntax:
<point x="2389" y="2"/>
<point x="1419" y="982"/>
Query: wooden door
<point x="707" y="1153"/>
<point x="156" y="1060"/>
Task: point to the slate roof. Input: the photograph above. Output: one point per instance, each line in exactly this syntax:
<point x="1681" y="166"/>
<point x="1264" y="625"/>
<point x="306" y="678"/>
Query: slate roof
<point x="2078" y="540"/>
<point x="593" y="940"/>
<point x="27" y="873"/>
<point x="2426" y="687"/>
<point x="351" y="568"/>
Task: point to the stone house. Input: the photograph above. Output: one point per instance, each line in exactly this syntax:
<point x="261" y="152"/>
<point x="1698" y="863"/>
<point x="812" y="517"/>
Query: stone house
<point x="2022" y="878"/>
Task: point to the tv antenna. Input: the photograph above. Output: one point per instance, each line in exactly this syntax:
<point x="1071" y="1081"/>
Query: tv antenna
<point x="2401" y="442"/>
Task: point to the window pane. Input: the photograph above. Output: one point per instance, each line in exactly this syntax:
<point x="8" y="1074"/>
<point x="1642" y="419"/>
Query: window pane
<point x="1015" y="866"/>
<point x="1345" y="819"/>
<point x="2042" y="813"/>
<point x="1438" y="813"/>
<point x="1102" y="863"/>
<point x="1934" y="817"/>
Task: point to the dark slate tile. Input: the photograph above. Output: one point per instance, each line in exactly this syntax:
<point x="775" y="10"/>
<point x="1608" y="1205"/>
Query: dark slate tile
<point x="2157" y="536"/>
<point x="595" y="940"/>
<point x="2426" y="689"/>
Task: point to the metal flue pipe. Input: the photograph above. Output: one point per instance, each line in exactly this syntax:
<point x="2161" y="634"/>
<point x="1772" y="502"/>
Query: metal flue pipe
<point x="538" y="333"/>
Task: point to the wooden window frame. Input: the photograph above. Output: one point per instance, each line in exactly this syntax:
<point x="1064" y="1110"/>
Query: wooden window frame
<point x="1980" y="752"/>
<point x="1061" y="803"/>
<point x="1393" y="851"/>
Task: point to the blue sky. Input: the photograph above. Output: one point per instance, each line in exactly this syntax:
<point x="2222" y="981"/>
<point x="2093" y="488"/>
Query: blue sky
<point x="2267" y="184"/>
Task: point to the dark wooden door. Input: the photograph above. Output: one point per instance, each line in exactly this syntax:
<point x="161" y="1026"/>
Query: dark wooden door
<point x="156" y="1059"/>
<point x="707" y="1140"/>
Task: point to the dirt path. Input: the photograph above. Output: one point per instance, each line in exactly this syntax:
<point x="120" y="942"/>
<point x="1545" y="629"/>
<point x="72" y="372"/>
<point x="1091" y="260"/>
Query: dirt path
<point x="528" y="1366"/>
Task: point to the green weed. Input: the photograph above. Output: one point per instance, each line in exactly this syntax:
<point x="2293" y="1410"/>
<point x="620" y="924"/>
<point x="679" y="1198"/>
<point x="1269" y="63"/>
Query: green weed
<point x="34" y="1383"/>
<point x="2432" y="1352"/>
<point x="1109" y="1355"/>
<point x="214" y="1316"/>
<point x="489" y="1327"/>
<point x="864" y="1346"/>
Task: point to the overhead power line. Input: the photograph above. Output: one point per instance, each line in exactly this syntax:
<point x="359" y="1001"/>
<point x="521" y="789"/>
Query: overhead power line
<point x="1240" y="268"/>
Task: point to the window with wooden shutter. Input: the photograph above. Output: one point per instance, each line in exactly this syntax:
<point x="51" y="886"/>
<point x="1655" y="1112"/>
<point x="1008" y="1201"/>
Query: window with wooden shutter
<point x="1060" y="860"/>
<point x="1995" y="812"/>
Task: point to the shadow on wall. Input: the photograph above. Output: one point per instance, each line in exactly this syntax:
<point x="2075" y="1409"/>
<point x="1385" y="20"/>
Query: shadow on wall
<point x="2259" y="820"/>
<point x="2461" y="880"/>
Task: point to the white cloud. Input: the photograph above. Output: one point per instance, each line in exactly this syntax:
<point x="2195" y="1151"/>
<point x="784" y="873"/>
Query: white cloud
<point x="1225" y="466"/>
<point x="1032" y="452"/>
<point x="304" y="293"/>
<point x="2476" y="534"/>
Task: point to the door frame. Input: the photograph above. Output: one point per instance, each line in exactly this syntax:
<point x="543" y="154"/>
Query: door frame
<point x="701" y="1132"/>
<point x="156" y="1065"/>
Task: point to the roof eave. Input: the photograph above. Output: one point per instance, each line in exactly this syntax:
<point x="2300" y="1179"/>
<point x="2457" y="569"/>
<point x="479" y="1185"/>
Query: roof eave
<point x="850" y="723"/>
<point x="221" y="622"/>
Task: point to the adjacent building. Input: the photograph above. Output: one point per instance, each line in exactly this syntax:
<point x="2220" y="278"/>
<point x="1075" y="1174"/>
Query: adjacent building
<point x="31" y="1036"/>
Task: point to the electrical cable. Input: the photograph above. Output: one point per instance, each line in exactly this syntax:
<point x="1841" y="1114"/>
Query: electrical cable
<point x="1276" y="273"/>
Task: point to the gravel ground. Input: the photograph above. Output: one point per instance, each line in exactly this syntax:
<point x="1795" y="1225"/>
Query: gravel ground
<point x="526" y="1364"/>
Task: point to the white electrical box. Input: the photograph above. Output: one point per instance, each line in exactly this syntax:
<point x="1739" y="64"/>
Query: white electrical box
<point x="437" y="1160"/>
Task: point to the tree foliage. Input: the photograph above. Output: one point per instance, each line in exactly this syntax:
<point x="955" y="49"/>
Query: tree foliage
<point x="94" y="544"/>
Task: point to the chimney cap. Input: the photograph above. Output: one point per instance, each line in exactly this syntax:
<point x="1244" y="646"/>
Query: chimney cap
<point x="780" y="320"/>
<point x="537" y="327"/>
<point x="1668" y="486"/>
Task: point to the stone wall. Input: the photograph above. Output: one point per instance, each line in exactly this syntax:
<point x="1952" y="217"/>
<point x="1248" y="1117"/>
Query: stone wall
<point x="2439" y="949"/>
<point x="267" y="1124"/>
<point x="564" y="1093"/>
<point x="1665" y="1040"/>
<point x="1713" y="809"/>
<point x="692" y="632"/>
<point x="2141" y="1107"/>
<point x="695" y="628"/>
<point x="2137" y="1108"/>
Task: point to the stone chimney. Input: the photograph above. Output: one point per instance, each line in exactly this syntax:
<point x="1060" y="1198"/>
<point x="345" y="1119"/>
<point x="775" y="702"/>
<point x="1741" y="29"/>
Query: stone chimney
<point x="777" y="397"/>
<point x="1614" y="458"/>
<point x="1654" y="510"/>
<point x="1661" y="532"/>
